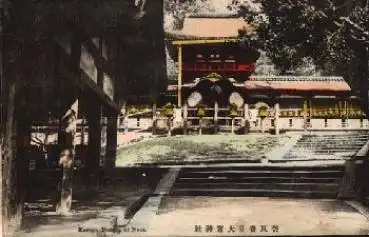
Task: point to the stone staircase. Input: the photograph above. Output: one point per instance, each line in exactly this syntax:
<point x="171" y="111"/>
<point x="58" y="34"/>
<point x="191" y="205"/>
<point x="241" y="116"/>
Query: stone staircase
<point x="260" y="181"/>
<point x="327" y="146"/>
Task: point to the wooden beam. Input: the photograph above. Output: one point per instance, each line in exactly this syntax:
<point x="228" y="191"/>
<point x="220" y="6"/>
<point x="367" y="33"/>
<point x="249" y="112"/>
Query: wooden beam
<point x="179" y="76"/>
<point x="87" y="82"/>
<point x="204" y="41"/>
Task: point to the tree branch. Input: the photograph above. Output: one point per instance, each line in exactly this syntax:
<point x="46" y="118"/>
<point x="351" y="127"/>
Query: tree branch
<point x="355" y="26"/>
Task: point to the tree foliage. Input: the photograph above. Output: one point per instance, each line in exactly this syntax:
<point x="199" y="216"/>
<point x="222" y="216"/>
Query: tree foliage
<point x="292" y="31"/>
<point x="178" y="9"/>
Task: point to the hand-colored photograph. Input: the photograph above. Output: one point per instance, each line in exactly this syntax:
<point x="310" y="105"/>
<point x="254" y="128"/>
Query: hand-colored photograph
<point x="184" y="118"/>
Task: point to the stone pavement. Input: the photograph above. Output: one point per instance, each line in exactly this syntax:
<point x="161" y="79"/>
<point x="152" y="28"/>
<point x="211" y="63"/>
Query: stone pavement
<point x="205" y="216"/>
<point x="196" y="216"/>
<point x="97" y="213"/>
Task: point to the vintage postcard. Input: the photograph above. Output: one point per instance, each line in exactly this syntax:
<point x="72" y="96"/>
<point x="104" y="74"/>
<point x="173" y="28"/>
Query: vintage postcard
<point x="184" y="118"/>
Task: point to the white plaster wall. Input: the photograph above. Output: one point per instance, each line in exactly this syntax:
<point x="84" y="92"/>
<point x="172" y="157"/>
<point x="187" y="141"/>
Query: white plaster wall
<point x="355" y="124"/>
<point x="316" y="124"/>
<point x="144" y="123"/>
<point x="334" y="124"/>
<point x="297" y="123"/>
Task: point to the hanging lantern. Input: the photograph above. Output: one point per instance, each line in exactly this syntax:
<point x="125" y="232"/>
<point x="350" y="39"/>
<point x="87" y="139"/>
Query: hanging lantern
<point x="330" y="112"/>
<point x="168" y="110"/>
<point x="132" y="110"/>
<point x="263" y="111"/>
<point x="194" y="99"/>
<point x="200" y="110"/>
<point x="233" y="111"/>
<point x="146" y="109"/>
<point x="236" y="98"/>
<point x="305" y="108"/>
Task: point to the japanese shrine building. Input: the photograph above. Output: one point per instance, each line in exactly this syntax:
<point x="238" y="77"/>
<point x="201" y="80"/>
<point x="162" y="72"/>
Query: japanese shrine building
<point x="215" y="63"/>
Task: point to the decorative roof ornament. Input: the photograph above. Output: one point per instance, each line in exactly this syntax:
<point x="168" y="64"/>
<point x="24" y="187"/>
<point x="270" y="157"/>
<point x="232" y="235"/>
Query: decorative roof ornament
<point x="213" y="77"/>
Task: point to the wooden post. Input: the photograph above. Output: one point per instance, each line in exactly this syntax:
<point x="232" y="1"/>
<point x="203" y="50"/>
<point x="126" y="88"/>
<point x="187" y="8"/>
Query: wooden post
<point x="154" y="118"/>
<point x="346" y="117"/>
<point x="363" y="67"/>
<point x="185" y="115"/>
<point x="125" y="117"/>
<point x="179" y="93"/>
<point x="305" y="114"/>
<point x="68" y="128"/>
<point x="276" y="118"/>
<point x="111" y="146"/>
<point x="200" y="126"/>
<point x="232" y="125"/>
<point x="262" y="124"/>
<point x="246" y="117"/>
<point x="169" y="127"/>
<point x="216" y="117"/>
<point x="94" y="139"/>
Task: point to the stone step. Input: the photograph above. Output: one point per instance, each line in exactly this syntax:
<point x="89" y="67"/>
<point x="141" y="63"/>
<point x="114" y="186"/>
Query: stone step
<point x="268" y="167"/>
<point x="297" y="158"/>
<point x="253" y="193"/>
<point x="320" y="153"/>
<point x="329" y="146"/>
<point x="262" y="173"/>
<point x="333" y="187"/>
<point x="256" y="179"/>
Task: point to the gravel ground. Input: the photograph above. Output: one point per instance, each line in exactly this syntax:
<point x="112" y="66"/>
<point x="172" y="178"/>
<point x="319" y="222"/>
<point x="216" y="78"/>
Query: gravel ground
<point x="199" y="148"/>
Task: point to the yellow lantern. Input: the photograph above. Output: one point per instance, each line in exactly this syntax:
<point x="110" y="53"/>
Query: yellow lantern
<point x="263" y="111"/>
<point x="168" y="110"/>
<point x="305" y="107"/>
<point x="330" y="112"/>
<point x="200" y="111"/>
<point x="133" y="110"/>
<point x="233" y="112"/>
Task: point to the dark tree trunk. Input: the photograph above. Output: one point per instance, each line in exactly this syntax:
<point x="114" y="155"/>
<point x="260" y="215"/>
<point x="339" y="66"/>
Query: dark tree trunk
<point x="9" y="160"/>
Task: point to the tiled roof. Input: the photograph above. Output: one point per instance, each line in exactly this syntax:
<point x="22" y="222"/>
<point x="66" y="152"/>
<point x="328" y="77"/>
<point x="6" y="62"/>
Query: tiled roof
<point x="207" y="27"/>
<point x="294" y="83"/>
<point x="289" y="83"/>
<point x="213" y="15"/>
<point x="296" y="78"/>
